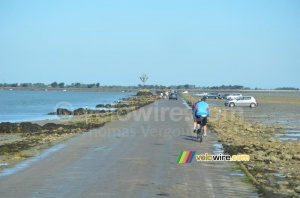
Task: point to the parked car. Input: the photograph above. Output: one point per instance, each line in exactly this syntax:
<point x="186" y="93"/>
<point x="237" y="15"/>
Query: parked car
<point x="213" y="95"/>
<point x="233" y="96"/>
<point x="224" y="96"/>
<point x="201" y="94"/>
<point x="246" y="101"/>
<point x="173" y="96"/>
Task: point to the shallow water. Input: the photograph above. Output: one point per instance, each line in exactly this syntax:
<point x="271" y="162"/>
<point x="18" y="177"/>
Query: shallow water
<point x="186" y="104"/>
<point x="279" y="175"/>
<point x="19" y="106"/>
<point x="4" y="164"/>
<point x="27" y="163"/>
<point x="218" y="147"/>
<point x="237" y="173"/>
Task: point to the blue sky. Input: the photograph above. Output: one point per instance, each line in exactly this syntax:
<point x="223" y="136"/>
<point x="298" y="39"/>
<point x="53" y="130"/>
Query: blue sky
<point x="254" y="43"/>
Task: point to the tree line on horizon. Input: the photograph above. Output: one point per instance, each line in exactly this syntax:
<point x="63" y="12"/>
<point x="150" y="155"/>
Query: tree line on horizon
<point x="52" y="85"/>
<point x="139" y="86"/>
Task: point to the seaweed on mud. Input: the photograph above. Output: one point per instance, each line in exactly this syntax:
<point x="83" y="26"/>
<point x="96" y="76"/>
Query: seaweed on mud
<point x="8" y="127"/>
<point x="233" y="150"/>
<point x="15" y="147"/>
<point x="52" y="126"/>
<point x="28" y="127"/>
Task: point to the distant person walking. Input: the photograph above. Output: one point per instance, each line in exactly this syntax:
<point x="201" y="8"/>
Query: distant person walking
<point x="202" y="111"/>
<point x="161" y="95"/>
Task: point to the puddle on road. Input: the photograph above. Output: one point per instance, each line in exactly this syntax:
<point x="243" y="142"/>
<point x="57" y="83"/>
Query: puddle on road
<point x="186" y="104"/>
<point x="27" y="163"/>
<point x="218" y="147"/>
<point x="237" y="173"/>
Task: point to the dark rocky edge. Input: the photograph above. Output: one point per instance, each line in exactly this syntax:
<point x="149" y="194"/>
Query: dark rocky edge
<point x="35" y="135"/>
<point x="81" y="111"/>
<point x="144" y="92"/>
<point x="274" y="166"/>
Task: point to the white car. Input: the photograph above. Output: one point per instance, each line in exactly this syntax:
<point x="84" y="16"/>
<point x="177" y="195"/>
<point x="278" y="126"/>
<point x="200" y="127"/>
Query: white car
<point x="201" y="94"/>
<point x="233" y="96"/>
<point x="244" y="101"/>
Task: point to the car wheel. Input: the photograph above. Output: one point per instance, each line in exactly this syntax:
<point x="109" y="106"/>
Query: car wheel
<point x="231" y="104"/>
<point x="252" y="105"/>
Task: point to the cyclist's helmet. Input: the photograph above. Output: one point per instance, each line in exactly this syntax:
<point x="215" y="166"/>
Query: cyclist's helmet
<point x="204" y="98"/>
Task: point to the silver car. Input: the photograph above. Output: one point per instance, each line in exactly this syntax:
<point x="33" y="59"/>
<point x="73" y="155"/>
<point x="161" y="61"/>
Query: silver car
<point x="201" y="94"/>
<point x="244" y="101"/>
<point x="233" y="96"/>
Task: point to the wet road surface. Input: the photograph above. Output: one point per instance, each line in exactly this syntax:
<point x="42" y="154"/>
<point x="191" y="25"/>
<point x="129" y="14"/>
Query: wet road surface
<point x="134" y="156"/>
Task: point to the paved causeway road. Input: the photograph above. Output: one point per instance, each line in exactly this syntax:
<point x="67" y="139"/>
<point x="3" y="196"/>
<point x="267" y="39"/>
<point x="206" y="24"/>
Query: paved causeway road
<point x="134" y="156"/>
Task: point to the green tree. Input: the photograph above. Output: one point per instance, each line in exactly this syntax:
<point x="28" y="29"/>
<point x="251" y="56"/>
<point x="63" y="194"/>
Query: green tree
<point x="214" y="87"/>
<point x="61" y="85"/>
<point x="186" y="86"/>
<point x="54" y="84"/>
<point x="91" y="85"/>
<point x="77" y="85"/>
<point x="25" y="85"/>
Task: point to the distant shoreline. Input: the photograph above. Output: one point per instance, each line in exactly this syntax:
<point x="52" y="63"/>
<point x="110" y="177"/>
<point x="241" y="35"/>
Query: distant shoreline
<point x="64" y="89"/>
<point x="124" y="89"/>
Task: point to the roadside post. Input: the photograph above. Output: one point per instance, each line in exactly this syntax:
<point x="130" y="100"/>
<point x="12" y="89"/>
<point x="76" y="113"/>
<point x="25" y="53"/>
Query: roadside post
<point x="86" y="110"/>
<point x="219" y="116"/>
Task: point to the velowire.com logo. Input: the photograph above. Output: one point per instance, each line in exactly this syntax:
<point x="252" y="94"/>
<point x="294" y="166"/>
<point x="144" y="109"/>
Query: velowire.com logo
<point x="186" y="157"/>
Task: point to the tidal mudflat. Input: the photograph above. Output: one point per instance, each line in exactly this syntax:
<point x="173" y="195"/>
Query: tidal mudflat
<point x="268" y="133"/>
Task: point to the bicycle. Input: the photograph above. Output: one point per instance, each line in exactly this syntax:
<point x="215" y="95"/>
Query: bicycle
<point x="200" y="131"/>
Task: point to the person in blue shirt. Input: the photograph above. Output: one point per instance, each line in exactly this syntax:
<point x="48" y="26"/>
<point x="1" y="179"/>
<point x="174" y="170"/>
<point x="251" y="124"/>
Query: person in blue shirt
<point x="202" y="112"/>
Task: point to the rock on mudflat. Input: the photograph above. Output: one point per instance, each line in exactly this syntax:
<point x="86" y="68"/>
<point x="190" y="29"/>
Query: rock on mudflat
<point x="7" y="127"/>
<point x="144" y="92"/>
<point x="61" y="111"/>
<point x="297" y="189"/>
<point x="100" y="106"/>
<point x="79" y="111"/>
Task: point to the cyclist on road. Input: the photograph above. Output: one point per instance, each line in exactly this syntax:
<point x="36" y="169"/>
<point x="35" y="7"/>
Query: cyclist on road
<point x="201" y="113"/>
<point x="194" y="118"/>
